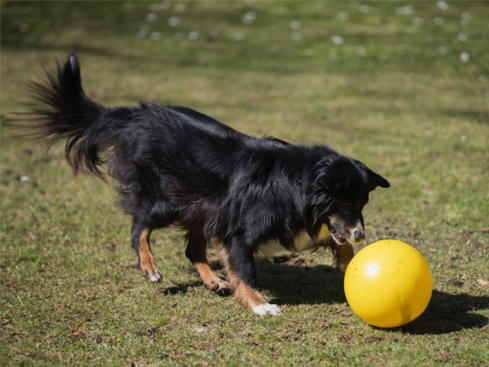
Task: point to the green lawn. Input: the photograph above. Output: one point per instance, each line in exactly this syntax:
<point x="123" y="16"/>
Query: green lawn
<point x="402" y="86"/>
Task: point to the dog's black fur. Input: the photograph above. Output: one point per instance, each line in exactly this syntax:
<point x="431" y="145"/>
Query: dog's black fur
<point x="176" y="165"/>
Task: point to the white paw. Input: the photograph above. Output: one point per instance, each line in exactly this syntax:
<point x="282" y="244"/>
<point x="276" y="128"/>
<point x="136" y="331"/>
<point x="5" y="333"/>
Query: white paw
<point x="155" y="277"/>
<point x="267" y="309"/>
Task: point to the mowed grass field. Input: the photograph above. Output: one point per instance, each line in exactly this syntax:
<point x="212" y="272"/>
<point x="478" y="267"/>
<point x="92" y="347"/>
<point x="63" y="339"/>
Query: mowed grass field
<point x="402" y="86"/>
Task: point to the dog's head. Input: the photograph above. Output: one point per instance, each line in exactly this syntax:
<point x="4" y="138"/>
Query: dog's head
<point x="340" y="190"/>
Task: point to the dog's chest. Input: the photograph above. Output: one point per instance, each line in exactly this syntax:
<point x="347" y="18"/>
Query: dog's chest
<point x="302" y="242"/>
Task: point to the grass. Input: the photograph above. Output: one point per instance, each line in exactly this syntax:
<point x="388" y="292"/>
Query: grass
<point x="393" y="92"/>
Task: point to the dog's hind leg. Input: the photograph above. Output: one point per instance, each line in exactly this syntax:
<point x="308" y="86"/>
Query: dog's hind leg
<point x="141" y="244"/>
<point x="196" y="253"/>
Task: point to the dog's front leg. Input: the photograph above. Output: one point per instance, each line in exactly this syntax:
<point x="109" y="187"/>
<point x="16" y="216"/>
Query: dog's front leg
<point x="237" y="259"/>
<point x="344" y="254"/>
<point x="196" y="252"/>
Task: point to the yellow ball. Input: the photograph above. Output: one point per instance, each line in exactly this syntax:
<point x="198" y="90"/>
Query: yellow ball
<point x="388" y="284"/>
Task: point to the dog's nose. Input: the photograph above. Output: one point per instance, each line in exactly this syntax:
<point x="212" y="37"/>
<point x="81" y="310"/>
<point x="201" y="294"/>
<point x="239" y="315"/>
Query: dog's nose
<point x="358" y="235"/>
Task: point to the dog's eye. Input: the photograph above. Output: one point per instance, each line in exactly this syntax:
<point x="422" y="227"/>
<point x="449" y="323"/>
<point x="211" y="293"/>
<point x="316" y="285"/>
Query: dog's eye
<point x="347" y="203"/>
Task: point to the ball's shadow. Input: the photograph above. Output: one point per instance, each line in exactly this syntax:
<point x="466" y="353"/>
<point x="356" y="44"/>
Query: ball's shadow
<point x="448" y="313"/>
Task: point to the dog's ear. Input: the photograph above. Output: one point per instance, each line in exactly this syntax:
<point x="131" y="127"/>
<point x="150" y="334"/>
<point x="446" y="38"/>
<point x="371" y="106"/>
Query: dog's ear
<point x="327" y="178"/>
<point x="375" y="180"/>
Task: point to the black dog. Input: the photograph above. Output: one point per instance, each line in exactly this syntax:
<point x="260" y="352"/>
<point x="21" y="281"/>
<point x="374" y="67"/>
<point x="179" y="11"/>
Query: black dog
<point x="242" y="194"/>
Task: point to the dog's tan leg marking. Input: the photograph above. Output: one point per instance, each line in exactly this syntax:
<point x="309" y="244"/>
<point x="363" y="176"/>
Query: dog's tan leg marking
<point x="147" y="262"/>
<point x="344" y="255"/>
<point x="209" y="277"/>
<point x="245" y="294"/>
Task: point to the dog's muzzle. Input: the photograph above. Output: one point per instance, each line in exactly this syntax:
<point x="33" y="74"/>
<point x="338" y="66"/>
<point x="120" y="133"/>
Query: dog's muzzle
<point x="354" y="236"/>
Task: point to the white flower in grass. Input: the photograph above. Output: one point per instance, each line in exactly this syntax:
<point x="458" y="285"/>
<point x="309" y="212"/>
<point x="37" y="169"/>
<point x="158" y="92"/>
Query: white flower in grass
<point x="364" y="9"/>
<point x="296" y="36"/>
<point x="155" y="36"/>
<point x="337" y="40"/>
<point x="418" y="22"/>
<point x="173" y="21"/>
<point x="438" y="21"/>
<point x="165" y="5"/>
<point x="466" y="16"/>
<point x="442" y="50"/>
<point x="151" y="17"/>
<point x="442" y="5"/>
<point x="362" y="51"/>
<point x="179" y="8"/>
<point x="342" y="16"/>
<point x="143" y="32"/>
<point x="405" y="10"/>
<point x="193" y="35"/>
<point x="294" y="24"/>
<point x="464" y="57"/>
<point x="238" y="36"/>
<point x="462" y="37"/>
<point x="249" y="17"/>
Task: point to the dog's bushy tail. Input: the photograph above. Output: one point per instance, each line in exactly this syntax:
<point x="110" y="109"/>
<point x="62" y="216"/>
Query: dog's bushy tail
<point x="68" y="114"/>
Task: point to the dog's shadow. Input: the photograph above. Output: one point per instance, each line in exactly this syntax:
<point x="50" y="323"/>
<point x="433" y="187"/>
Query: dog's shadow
<point x="290" y="282"/>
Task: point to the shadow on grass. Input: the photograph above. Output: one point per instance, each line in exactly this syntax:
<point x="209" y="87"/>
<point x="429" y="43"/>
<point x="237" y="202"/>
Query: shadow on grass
<point x="448" y="313"/>
<point x="181" y="288"/>
<point x="481" y="116"/>
<point x="290" y="282"/>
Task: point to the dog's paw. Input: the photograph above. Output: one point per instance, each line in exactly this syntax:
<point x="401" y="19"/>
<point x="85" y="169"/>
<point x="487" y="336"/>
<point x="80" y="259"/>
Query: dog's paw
<point x="342" y="268"/>
<point x="154" y="277"/>
<point x="150" y="271"/>
<point x="267" y="309"/>
<point x="219" y="286"/>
